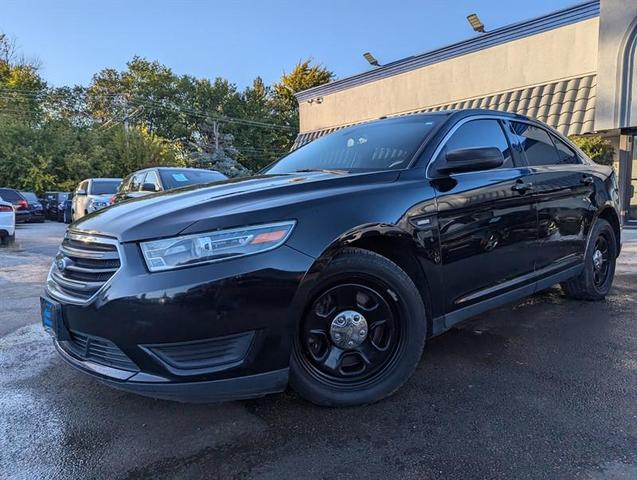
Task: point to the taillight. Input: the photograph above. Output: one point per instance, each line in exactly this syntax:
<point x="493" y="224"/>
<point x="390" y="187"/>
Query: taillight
<point x="23" y="204"/>
<point x="5" y="209"/>
<point x="112" y="200"/>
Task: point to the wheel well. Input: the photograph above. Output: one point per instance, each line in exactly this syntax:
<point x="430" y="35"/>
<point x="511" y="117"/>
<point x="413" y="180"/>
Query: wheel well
<point x="401" y="253"/>
<point x="611" y="217"/>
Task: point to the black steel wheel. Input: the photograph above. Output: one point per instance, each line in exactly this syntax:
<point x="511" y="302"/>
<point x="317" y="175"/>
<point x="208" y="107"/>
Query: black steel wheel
<point x="601" y="260"/>
<point x="598" y="271"/>
<point x="362" y="333"/>
<point x="350" y="333"/>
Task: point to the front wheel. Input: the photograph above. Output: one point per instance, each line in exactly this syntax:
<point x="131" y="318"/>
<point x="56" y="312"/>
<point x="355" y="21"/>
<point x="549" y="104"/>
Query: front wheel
<point x="596" y="278"/>
<point x="362" y="334"/>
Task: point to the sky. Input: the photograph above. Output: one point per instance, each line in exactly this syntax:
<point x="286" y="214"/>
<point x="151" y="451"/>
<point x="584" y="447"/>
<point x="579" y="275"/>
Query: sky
<point x="242" y="39"/>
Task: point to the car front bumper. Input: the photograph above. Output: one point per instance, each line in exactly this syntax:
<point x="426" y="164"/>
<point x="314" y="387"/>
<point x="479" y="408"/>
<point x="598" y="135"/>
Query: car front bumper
<point x="202" y="334"/>
<point x="237" y="388"/>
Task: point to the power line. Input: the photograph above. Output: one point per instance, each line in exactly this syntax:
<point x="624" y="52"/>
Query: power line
<point x="157" y="104"/>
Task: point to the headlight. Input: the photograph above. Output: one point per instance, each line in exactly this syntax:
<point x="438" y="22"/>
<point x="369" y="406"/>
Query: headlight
<point x="208" y="247"/>
<point x="98" y="204"/>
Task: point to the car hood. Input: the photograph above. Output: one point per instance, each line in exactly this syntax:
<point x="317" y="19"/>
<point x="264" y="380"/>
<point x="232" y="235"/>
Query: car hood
<point x="223" y="204"/>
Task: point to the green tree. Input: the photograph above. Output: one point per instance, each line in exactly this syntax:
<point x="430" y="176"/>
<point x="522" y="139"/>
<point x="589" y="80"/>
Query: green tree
<point x="598" y="149"/>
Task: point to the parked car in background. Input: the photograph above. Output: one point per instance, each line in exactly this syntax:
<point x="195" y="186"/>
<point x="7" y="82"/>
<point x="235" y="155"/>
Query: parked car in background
<point x="333" y="267"/>
<point x="7" y="222"/>
<point x="67" y="208"/>
<point x="93" y="194"/>
<point x="20" y="204"/>
<point x="159" y="179"/>
<point x="52" y="201"/>
<point x="34" y="205"/>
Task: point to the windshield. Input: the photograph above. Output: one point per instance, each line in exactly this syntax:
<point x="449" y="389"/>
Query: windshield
<point x="30" y="196"/>
<point x="104" y="187"/>
<point x="181" y="178"/>
<point x="384" y="145"/>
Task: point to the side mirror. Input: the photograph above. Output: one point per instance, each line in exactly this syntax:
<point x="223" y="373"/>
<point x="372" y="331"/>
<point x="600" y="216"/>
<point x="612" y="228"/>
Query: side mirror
<point x="471" y="160"/>
<point x="80" y="192"/>
<point x="149" y="187"/>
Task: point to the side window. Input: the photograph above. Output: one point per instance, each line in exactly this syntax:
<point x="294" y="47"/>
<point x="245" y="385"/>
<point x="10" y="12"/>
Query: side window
<point x="136" y="182"/>
<point x="151" y="177"/>
<point x="565" y="154"/>
<point x="480" y="133"/>
<point x="536" y="144"/>
<point x="125" y="185"/>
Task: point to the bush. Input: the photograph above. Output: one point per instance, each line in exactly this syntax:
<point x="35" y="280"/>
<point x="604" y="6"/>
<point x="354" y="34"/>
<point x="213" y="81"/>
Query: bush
<point x="598" y="149"/>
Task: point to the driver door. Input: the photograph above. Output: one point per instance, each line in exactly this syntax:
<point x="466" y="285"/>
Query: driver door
<point x="487" y="220"/>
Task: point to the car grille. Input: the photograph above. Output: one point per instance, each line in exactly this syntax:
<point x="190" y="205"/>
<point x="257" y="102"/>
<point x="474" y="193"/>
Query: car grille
<point x="82" y="266"/>
<point x="98" y="350"/>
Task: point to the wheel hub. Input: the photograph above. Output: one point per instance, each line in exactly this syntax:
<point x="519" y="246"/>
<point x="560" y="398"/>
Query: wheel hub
<point x="598" y="259"/>
<point x="348" y="329"/>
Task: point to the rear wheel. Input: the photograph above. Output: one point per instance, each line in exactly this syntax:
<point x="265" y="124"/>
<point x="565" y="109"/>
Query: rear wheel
<point x="596" y="278"/>
<point x="7" y="239"/>
<point x="362" y="334"/>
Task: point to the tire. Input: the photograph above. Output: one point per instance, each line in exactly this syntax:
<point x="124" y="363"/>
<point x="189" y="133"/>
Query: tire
<point x="596" y="279"/>
<point x="7" y="240"/>
<point x="324" y="368"/>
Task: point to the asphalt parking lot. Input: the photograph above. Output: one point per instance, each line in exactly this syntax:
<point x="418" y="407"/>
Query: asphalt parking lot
<point x="545" y="388"/>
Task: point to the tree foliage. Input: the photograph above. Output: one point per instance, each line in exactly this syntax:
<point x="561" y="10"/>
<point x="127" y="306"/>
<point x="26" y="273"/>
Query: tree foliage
<point x="598" y="149"/>
<point x="144" y="115"/>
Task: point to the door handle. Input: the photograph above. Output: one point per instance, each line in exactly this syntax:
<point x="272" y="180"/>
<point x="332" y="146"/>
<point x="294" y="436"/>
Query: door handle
<point x="522" y="187"/>
<point x="587" y="180"/>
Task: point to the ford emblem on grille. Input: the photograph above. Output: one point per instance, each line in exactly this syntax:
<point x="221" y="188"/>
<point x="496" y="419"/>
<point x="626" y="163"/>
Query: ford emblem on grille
<point x="60" y="263"/>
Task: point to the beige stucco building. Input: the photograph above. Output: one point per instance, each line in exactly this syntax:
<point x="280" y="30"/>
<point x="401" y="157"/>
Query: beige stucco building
<point x="575" y="69"/>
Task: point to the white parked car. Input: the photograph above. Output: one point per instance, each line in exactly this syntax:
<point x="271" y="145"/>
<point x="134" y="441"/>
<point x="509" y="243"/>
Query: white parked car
<point x="7" y="223"/>
<point x="93" y="194"/>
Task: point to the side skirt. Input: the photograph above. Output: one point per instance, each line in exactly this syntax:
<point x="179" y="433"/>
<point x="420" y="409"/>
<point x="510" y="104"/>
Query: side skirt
<point x="445" y="322"/>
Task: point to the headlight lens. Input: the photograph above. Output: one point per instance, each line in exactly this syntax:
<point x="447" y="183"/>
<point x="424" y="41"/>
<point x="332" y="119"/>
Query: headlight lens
<point x="98" y="204"/>
<point x="199" y="248"/>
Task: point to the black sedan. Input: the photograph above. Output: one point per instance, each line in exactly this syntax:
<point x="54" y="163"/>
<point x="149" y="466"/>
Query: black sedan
<point x="34" y="205"/>
<point x="331" y="268"/>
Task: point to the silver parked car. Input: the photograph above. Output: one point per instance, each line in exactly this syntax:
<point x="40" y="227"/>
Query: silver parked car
<point x="93" y="194"/>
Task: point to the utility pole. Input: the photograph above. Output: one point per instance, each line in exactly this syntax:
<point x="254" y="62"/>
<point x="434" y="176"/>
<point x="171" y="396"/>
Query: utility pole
<point x="215" y="133"/>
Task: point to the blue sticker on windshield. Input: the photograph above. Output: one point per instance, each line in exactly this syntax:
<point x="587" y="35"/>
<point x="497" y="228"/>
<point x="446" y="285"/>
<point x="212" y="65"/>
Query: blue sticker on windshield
<point x="180" y="177"/>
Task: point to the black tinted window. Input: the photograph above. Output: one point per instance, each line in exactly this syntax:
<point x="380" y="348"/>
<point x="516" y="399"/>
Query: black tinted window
<point x="477" y="134"/>
<point x="181" y="178"/>
<point x="565" y="154"/>
<point x="9" y="195"/>
<point x="104" y="187"/>
<point x="388" y="144"/>
<point x="536" y="144"/>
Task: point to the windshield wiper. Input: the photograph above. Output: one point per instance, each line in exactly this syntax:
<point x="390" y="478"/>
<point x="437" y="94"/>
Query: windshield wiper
<point x="322" y="170"/>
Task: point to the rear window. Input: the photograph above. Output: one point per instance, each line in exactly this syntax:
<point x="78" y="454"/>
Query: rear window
<point x="10" y="195"/>
<point x="181" y="178"/>
<point x="104" y="187"/>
